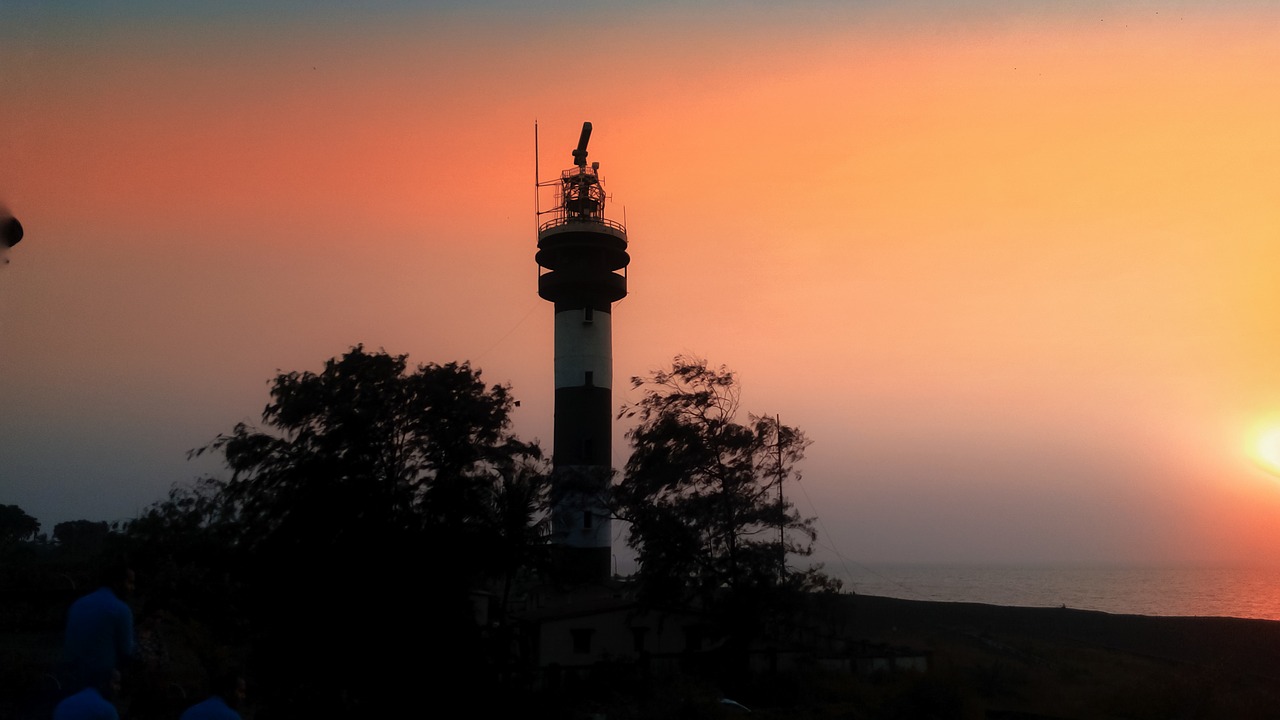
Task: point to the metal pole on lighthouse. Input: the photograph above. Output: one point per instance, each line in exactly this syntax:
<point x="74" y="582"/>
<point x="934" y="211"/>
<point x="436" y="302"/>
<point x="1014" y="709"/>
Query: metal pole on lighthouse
<point x="582" y="260"/>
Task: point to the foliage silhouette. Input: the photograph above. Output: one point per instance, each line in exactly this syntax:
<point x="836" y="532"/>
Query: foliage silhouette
<point x="16" y="526"/>
<point x="83" y="537"/>
<point x="186" y="549"/>
<point x="702" y="492"/>
<point x="363" y="514"/>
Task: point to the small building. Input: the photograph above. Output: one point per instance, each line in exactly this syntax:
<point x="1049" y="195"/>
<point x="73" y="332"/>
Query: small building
<point x="583" y="636"/>
<point x="869" y="660"/>
<point x="579" y="636"/>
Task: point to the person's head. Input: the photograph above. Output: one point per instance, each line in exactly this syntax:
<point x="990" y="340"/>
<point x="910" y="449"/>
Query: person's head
<point x="119" y="576"/>
<point x="127" y="583"/>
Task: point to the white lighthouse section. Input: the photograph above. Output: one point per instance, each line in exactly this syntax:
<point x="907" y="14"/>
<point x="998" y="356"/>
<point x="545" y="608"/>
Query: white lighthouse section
<point x="591" y="528"/>
<point x="584" y="367"/>
<point x="584" y="349"/>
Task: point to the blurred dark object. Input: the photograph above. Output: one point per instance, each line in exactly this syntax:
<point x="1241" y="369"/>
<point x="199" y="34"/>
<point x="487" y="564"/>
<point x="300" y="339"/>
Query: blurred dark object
<point x="10" y="230"/>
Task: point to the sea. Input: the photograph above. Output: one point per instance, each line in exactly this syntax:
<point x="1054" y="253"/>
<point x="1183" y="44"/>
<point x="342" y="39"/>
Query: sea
<point x="1167" y="591"/>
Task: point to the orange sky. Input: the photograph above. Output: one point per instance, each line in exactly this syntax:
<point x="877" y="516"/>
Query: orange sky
<point x="1013" y="267"/>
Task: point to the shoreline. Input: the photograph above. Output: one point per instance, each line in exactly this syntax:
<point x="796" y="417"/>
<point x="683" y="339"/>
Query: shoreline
<point x="1184" y="590"/>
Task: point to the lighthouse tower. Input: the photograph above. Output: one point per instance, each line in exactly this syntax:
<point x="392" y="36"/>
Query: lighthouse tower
<point x="582" y="260"/>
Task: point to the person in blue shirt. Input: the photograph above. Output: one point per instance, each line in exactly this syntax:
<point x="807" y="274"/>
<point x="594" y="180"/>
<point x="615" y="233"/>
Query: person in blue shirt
<point x="91" y="703"/>
<point x="229" y="694"/>
<point x="99" y="636"/>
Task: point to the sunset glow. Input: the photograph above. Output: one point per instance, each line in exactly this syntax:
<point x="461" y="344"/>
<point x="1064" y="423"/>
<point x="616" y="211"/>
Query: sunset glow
<point x="1268" y="450"/>
<point x="1011" y="265"/>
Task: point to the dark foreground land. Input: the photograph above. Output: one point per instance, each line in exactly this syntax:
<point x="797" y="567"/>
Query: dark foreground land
<point x="989" y="661"/>
<point x="985" y="662"/>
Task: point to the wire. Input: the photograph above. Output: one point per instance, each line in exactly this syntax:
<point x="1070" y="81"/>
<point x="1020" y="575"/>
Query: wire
<point x="844" y="561"/>
<point x="534" y="306"/>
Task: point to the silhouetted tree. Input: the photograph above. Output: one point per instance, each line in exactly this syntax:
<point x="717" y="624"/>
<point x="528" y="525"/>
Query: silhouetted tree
<point x="186" y="548"/>
<point x="373" y="501"/>
<point x="701" y="490"/>
<point x="83" y="537"/>
<point x="410" y="449"/>
<point x="518" y="526"/>
<point x="16" y="525"/>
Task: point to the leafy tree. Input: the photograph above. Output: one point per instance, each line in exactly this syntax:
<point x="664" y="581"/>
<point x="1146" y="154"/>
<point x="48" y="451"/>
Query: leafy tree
<point x="373" y="501"/>
<point x="84" y="537"/>
<point x="16" y="525"/>
<point x="185" y="546"/>
<point x="701" y="490"/>
<point x="415" y="449"/>
<point x="518" y="526"/>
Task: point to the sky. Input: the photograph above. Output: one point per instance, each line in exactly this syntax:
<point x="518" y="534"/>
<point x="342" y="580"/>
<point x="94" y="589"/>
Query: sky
<point x="1014" y="267"/>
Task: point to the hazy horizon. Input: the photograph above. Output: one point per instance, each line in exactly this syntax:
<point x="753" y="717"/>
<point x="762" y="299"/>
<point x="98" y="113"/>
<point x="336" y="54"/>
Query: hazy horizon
<point x="1011" y="266"/>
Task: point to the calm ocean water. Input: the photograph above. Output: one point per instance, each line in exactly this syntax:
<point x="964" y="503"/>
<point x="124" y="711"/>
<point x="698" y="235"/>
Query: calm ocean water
<point x="1225" y="592"/>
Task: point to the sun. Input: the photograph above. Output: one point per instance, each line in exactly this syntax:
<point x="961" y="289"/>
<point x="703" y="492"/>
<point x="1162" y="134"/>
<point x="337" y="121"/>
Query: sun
<point x="1267" y="451"/>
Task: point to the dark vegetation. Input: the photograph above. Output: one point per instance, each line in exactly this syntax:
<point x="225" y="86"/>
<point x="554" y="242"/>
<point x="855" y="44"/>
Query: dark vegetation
<point x="340" y="562"/>
<point x="337" y="562"/>
<point x="703" y="493"/>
